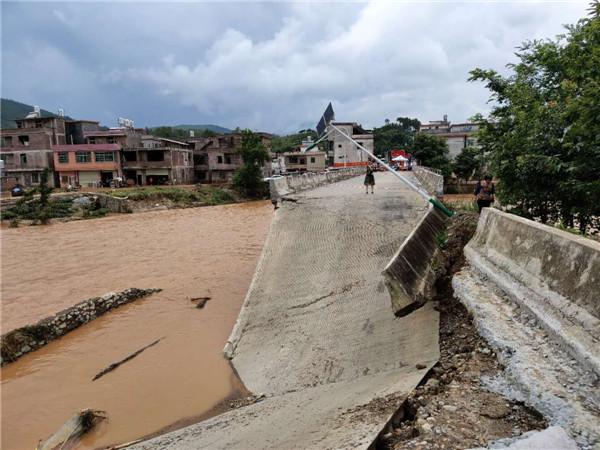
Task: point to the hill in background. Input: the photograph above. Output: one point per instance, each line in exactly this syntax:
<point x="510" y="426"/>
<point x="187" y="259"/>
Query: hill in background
<point x="215" y="128"/>
<point x="11" y="110"/>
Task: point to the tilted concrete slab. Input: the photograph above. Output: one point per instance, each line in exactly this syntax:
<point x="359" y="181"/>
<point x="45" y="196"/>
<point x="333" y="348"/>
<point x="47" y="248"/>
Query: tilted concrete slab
<point x="317" y="334"/>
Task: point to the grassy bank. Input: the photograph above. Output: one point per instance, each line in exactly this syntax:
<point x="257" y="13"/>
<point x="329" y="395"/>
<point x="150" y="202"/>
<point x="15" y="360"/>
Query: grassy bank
<point x="177" y="196"/>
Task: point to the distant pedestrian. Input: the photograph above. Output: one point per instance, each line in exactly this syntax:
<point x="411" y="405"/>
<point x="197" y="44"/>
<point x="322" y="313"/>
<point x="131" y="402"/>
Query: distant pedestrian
<point x="369" y="179"/>
<point x="485" y="192"/>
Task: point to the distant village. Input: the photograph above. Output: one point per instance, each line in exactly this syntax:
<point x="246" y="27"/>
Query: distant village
<point x="81" y="153"/>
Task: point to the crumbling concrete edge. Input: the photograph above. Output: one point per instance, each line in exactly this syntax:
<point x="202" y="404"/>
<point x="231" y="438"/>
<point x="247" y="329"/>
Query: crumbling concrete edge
<point x="550" y="310"/>
<point x="410" y="275"/>
<point x="29" y="338"/>
<point x="240" y="322"/>
<point x="553" y="437"/>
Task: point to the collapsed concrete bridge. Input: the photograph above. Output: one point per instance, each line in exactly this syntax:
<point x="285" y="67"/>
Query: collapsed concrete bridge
<point x="336" y="331"/>
<point x="317" y="334"/>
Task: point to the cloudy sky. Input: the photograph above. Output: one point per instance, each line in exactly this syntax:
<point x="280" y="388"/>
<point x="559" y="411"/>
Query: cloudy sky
<point x="266" y="66"/>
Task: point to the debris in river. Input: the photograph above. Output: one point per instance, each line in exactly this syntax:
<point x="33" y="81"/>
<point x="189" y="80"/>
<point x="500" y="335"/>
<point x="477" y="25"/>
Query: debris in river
<point x="201" y="301"/>
<point x="113" y="366"/>
<point x="72" y="430"/>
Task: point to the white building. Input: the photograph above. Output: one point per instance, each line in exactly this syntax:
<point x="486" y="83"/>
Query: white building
<point x="341" y="152"/>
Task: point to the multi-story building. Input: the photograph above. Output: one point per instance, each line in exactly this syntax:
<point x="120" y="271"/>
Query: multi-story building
<point x="217" y="158"/>
<point x="341" y="152"/>
<point x="158" y="161"/>
<point x="457" y="135"/>
<point x="311" y="161"/>
<point x="87" y="165"/>
<point x="126" y="137"/>
<point x="27" y="149"/>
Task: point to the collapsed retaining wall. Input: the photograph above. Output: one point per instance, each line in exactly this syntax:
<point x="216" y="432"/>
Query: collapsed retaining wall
<point x="552" y="273"/>
<point x="533" y="292"/>
<point x="289" y="184"/>
<point x="16" y="343"/>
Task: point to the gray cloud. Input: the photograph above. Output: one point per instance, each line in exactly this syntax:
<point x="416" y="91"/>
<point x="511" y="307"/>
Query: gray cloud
<point x="267" y="66"/>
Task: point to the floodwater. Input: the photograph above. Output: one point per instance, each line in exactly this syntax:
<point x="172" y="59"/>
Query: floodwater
<point x="197" y="252"/>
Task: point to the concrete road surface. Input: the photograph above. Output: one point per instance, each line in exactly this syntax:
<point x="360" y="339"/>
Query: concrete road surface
<point x="316" y="334"/>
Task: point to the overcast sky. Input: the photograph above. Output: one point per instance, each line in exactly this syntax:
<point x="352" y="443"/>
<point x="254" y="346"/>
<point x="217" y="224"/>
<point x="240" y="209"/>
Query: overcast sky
<point x="266" y="66"/>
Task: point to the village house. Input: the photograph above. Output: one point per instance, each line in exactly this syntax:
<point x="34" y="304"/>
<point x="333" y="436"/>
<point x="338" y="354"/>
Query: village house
<point x="27" y="150"/>
<point x="341" y="152"/>
<point x="217" y="158"/>
<point x="311" y="161"/>
<point x="305" y="158"/>
<point x="458" y="136"/>
<point x="158" y="161"/>
<point x="87" y="165"/>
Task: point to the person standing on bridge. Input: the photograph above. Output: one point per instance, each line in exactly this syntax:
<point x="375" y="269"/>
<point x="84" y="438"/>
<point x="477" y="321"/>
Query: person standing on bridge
<point x="369" y="179"/>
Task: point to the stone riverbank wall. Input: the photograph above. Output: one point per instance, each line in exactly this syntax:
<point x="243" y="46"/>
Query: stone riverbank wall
<point x="534" y="292"/>
<point x="16" y="343"/>
<point x="290" y="184"/>
<point x="113" y="204"/>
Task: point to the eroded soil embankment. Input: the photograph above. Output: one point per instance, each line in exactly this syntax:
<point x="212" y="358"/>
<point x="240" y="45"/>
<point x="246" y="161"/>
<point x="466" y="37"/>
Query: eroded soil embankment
<point x="451" y="408"/>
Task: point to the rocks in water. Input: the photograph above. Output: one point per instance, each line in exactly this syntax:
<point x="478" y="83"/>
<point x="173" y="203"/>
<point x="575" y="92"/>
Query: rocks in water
<point x="31" y="337"/>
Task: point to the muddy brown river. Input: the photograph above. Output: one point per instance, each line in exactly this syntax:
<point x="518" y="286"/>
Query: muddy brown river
<point x="188" y="253"/>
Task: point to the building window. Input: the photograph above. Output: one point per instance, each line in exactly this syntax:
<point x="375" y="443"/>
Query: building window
<point x="24" y="140"/>
<point x="23" y="158"/>
<point x="339" y="145"/>
<point x="63" y="157"/>
<point x="35" y="177"/>
<point x="302" y="161"/>
<point x="104" y="156"/>
<point x="199" y="160"/>
<point x="92" y="140"/>
<point x="83" y="157"/>
<point x="7" y="141"/>
<point x="227" y="159"/>
<point x="38" y="124"/>
<point x="312" y="159"/>
<point x="219" y="159"/>
<point x="110" y="140"/>
<point x="130" y="156"/>
<point x="156" y="156"/>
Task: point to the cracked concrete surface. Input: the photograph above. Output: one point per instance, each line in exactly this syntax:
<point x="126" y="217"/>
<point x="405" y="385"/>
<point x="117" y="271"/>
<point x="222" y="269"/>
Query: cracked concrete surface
<point x="317" y="335"/>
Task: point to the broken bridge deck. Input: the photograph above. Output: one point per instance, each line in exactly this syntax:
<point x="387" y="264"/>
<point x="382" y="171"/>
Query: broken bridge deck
<point x="317" y="335"/>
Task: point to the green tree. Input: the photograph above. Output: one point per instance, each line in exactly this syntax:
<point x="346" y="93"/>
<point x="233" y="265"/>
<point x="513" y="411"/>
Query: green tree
<point x="45" y="209"/>
<point x="543" y="135"/>
<point x="468" y="163"/>
<point x="431" y="151"/>
<point x="399" y="135"/>
<point x="248" y="179"/>
<point x="287" y="143"/>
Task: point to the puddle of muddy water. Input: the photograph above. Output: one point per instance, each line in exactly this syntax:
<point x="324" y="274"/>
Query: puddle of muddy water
<point x="188" y="253"/>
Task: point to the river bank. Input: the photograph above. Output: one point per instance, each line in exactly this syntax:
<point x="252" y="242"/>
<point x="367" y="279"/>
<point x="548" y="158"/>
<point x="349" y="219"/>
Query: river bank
<point x="186" y="252"/>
